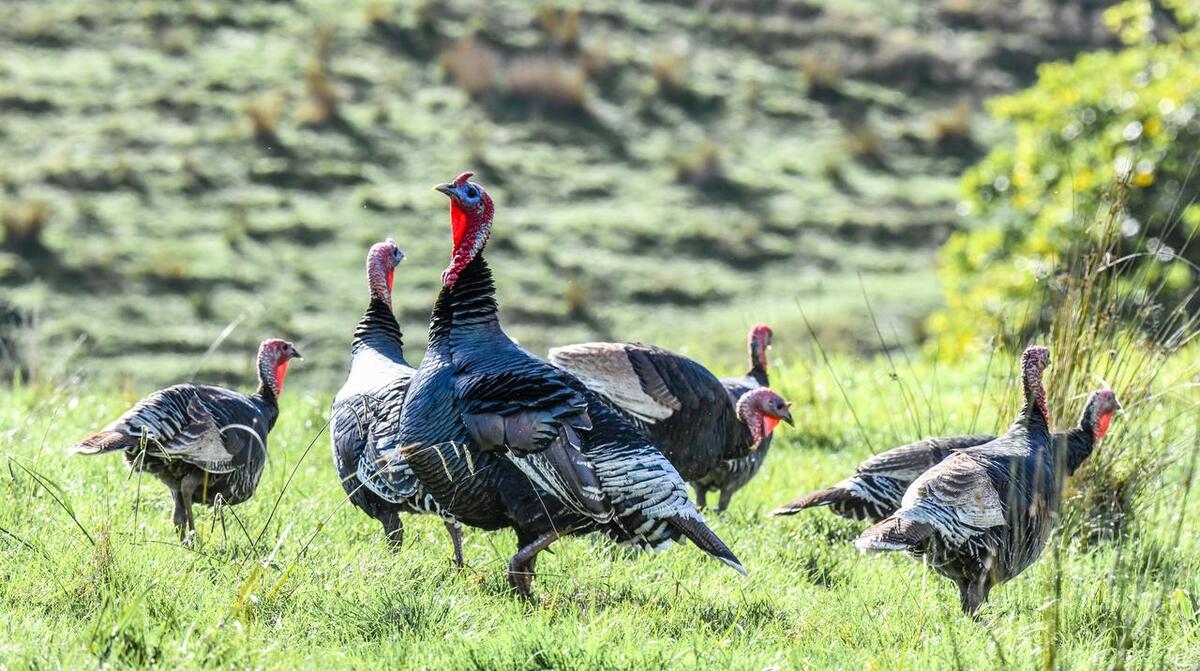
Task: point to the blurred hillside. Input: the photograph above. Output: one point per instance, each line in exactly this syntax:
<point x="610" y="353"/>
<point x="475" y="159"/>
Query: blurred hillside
<point x="670" y="171"/>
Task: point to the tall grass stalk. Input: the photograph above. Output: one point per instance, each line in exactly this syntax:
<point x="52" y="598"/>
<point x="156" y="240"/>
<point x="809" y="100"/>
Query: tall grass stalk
<point x="1109" y="323"/>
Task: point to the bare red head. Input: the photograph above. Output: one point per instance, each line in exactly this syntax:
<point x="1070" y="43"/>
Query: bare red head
<point x="1034" y="361"/>
<point x="381" y="269"/>
<point x="761" y="410"/>
<point x="273" y="357"/>
<point x="470" y="220"/>
<point x="760" y="341"/>
<point x="1099" y="411"/>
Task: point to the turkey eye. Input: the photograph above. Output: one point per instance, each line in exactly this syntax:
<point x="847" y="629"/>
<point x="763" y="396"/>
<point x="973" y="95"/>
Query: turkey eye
<point x="471" y="192"/>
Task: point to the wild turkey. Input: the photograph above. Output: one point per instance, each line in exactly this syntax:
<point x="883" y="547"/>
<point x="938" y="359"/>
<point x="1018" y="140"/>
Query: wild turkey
<point x="379" y="376"/>
<point x="879" y="483"/>
<point x="204" y="443"/>
<point x="732" y="474"/>
<point x="682" y="407"/>
<point x="983" y="515"/>
<point x="503" y="439"/>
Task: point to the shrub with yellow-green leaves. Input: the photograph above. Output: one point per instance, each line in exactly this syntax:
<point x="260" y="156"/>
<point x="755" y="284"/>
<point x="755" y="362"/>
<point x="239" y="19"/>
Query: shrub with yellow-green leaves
<point x="1040" y="198"/>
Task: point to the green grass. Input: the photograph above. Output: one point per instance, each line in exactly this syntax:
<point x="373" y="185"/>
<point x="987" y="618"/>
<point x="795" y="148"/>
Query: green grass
<point x="91" y="574"/>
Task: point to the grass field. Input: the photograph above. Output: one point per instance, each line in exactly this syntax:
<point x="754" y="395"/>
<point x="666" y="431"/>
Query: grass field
<point x="91" y="573"/>
<point x="181" y="180"/>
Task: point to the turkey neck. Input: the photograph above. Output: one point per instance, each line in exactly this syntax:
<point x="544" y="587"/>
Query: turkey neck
<point x="378" y="330"/>
<point x="1033" y="412"/>
<point x="757" y="372"/>
<point x="742" y="441"/>
<point x="1081" y="440"/>
<point x="267" y="402"/>
<point x="468" y="308"/>
<point x="464" y="485"/>
<point x="266" y="388"/>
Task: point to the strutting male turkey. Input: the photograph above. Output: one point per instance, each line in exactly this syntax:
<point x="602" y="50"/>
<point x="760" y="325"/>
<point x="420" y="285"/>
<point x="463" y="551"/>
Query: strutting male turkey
<point x="504" y="439"/>
<point x="204" y="443"/>
<point x="683" y="408"/>
<point x="732" y="474"/>
<point x="983" y="515"/>
<point x="368" y="406"/>
<point x="878" y="484"/>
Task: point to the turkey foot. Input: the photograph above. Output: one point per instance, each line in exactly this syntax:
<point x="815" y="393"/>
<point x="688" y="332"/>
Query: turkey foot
<point x="520" y="567"/>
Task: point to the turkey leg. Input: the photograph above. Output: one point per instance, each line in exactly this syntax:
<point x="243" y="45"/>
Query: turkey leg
<point x="972" y="595"/>
<point x="393" y="530"/>
<point x="180" y="516"/>
<point x="187" y="489"/>
<point x="455" y="532"/>
<point x="520" y="567"/>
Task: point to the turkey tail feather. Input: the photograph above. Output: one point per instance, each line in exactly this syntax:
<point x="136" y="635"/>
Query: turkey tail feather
<point x="893" y="533"/>
<point x="822" y="497"/>
<point x="704" y="538"/>
<point x="104" y="441"/>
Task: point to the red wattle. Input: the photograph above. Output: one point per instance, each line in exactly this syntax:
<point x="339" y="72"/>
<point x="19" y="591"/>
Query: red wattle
<point x="458" y="223"/>
<point x="391" y="274"/>
<point x="771" y="423"/>
<point x="1102" y="425"/>
<point x="280" y="373"/>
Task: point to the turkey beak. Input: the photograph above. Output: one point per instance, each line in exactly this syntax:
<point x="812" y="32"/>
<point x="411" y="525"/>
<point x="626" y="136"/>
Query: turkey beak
<point x="295" y="354"/>
<point x="446" y="188"/>
<point x="787" y="415"/>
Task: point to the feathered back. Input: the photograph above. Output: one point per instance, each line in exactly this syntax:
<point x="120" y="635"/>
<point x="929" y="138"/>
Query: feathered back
<point x="682" y="406"/>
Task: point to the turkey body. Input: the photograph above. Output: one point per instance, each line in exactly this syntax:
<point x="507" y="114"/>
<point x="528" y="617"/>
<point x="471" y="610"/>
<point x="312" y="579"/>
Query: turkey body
<point x="503" y="439"/>
<point x="204" y="443"/>
<point x="981" y="540"/>
<point x="480" y="488"/>
<point x="365" y="415"/>
<point x="983" y="514"/>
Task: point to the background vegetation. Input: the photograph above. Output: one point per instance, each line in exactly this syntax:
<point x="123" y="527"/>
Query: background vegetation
<point x="174" y="168"/>
<point x="1112" y="116"/>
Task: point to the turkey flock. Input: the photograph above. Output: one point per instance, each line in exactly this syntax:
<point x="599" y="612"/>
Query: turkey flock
<point x="599" y="438"/>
